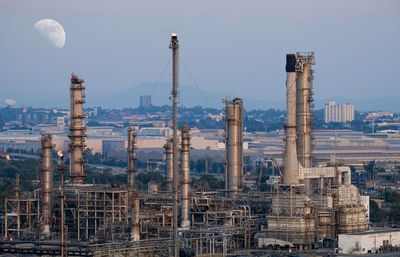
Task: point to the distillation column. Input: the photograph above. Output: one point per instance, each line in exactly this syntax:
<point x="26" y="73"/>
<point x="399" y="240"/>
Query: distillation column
<point x="133" y="197"/>
<point x="131" y="157"/>
<point x="291" y="174"/>
<point x="303" y="107"/>
<point x="169" y="165"/>
<point x="234" y="145"/>
<point x="77" y="131"/>
<point x="46" y="182"/>
<point x="185" y="171"/>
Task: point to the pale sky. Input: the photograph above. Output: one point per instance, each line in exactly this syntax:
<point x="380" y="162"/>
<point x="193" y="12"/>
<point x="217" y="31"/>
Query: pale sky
<point x="229" y="46"/>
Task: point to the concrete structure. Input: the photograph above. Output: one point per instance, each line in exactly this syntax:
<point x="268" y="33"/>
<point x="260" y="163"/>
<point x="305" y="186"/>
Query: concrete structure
<point x="368" y="242"/>
<point x="290" y="175"/>
<point x="304" y="92"/>
<point x="77" y="131"/>
<point x="234" y="145"/>
<point x="145" y="101"/>
<point x="46" y="183"/>
<point x="338" y="113"/>
<point x="155" y="131"/>
<point x="114" y="147"/>
<point x="185" y="171"/>
<point x="313" y="203"/>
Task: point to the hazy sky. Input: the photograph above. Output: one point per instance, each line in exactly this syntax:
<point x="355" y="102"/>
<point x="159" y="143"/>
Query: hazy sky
<point x="229" y="46"/>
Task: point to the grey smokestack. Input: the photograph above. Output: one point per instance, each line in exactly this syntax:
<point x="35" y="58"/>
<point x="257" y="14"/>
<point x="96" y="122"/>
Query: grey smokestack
<point x="169" y="164"/>
<point x="234" y="145"/>
<point x="77" y="131"/>
<point x="185" y="171"/>
<point x="303" y="108"/>
<point x="291" y="175"/>
<point x="46" y="181"/>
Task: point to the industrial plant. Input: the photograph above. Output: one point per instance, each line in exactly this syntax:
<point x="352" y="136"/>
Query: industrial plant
<point x="312" y="206"/>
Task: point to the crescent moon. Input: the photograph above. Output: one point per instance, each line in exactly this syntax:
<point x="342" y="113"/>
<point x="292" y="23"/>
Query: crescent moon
<point x="52" y="31"/>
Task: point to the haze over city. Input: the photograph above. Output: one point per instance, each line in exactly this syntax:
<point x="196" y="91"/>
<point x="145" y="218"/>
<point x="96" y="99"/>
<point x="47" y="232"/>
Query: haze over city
<point x="231" y="48"/>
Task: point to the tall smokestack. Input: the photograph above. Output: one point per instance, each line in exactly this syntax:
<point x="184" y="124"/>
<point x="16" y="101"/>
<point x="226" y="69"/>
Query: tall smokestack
<point x="234" y="145"/>
<point x="46" y="181"/>
<point x="169" y="164"/>
<point x="175" y="68"/>
<point x="291" y="174"/>
<point x="185" y="171"/>
<point x="132" y="169"/>
<point x="303" y="107"/>
<point x="132" y="195"/>
<point x="77" y="131"/>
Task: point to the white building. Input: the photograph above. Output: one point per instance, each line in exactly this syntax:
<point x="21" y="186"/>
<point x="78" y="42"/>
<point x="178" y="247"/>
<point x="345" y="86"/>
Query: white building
<point x="338" y="113"/>
<point x="368" y="242"/>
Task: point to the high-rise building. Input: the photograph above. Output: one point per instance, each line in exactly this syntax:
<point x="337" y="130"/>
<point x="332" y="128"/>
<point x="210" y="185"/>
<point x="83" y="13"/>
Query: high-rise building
<point x="338" y="113"/>
<point x="145" y="101"/>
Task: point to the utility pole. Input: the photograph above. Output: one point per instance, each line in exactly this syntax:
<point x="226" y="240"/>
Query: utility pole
<point x="175" y="61"/>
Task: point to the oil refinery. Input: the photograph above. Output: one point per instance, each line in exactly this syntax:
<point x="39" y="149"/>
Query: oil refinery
<point x="312" y="207"/>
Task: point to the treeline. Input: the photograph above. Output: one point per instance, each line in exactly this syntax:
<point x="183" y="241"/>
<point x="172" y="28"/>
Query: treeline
<point x="390" y="211"/>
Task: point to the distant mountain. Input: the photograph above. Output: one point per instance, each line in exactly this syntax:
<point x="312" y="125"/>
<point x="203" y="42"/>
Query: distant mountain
<point x="191" y="96"/>
<point x="188" y="96"/>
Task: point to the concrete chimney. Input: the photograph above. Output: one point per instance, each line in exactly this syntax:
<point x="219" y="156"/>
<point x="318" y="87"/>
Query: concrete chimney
<point x="291" y="173"/>
<point x="303" y="107"/>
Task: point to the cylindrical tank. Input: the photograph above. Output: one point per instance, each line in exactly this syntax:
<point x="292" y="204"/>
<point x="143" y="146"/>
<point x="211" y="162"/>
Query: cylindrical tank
<point x="169" y="165"/>
<point x="234" y="145"/>
<point x="46" y="181"/>
<point x="77" y="131"/>
<point x="185" y="171"/>
<point x="291" y="173"/>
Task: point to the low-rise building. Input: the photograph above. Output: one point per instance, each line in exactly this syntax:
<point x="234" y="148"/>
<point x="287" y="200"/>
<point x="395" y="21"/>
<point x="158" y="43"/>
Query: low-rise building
<point x="368" y="242"/>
